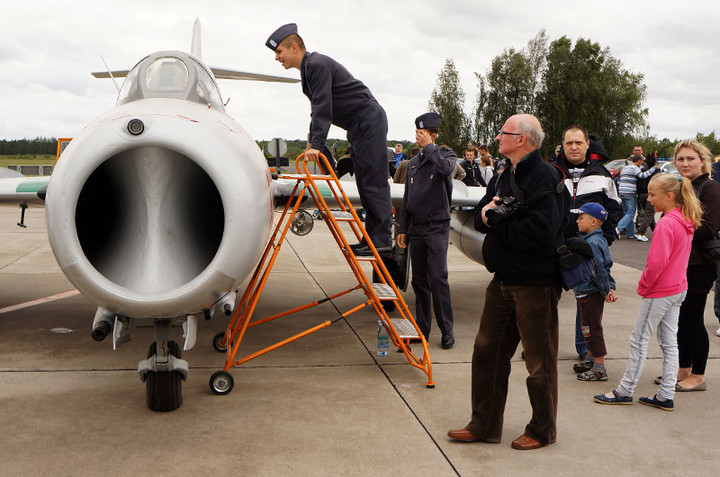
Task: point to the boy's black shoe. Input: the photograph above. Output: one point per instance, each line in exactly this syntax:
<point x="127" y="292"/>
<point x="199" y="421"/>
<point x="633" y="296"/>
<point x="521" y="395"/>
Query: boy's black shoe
<point x="593" y="374"/>
<point x="583" y="366"/>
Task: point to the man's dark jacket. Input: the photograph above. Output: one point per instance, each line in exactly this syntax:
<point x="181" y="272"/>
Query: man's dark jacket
<point x="595" y="185"/>
<point x="522" y="249"/>
<point x="336" y="96"/>
<point x="473" y="177"/>
<point x="428" y="187"/>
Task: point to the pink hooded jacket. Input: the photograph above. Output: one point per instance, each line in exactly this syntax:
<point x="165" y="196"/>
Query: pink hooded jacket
<point x="666" y="267"/>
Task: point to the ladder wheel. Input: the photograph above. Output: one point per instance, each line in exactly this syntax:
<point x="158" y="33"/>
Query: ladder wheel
<point x="217" y="342"/>
<point x="221" y="383"/>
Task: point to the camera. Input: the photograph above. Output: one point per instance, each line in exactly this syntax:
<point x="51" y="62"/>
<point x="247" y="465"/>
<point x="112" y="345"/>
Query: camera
<point x="506" y="207"/>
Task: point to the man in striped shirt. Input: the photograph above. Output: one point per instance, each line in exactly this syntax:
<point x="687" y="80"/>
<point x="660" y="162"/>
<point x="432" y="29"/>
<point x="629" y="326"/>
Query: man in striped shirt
<point x="627" y="189"/>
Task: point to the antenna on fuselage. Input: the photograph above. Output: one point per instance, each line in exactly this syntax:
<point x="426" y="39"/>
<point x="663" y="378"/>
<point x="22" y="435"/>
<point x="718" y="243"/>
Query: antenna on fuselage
<point x="110" y="73"/>
<point x="196" y="46"/>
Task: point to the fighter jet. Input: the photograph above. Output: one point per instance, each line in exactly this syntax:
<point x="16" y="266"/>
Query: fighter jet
<point x="158" y="209"/>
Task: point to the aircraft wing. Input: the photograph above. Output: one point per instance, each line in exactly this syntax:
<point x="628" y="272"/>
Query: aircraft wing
<point x="220" y="73"/>
<point x="223" y="73"/>
<point x="116" y="74"/>
<point x="462" y="196"/>
<point x="23" y="189"/>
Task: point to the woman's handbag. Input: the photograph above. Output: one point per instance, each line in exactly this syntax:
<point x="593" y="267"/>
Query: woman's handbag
<point x="710" y="248"/>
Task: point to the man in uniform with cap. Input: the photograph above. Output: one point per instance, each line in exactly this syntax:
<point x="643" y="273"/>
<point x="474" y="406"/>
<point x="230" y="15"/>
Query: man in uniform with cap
<point x="338" y="98"/>
<point x="425" y="220"/>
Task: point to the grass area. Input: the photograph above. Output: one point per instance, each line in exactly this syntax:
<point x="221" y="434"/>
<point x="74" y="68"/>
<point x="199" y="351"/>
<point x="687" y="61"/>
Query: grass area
<point x="28" y="159"/>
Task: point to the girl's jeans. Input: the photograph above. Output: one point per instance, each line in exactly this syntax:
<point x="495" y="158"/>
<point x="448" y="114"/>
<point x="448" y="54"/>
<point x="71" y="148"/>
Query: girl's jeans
<point x="661" y="313"/>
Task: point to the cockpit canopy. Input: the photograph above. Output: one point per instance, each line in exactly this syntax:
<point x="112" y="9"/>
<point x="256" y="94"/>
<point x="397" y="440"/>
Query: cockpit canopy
<point x="171" y="74"/>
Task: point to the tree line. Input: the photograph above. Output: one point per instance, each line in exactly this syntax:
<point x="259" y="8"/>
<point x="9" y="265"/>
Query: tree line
<point x="39" y="145"/>
<point x="42" y="145"/>
<point x="561" y="84"/>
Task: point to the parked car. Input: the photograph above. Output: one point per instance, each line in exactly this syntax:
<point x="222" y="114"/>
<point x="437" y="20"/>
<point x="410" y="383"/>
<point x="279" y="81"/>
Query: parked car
<point x="669" y="167"/>
<point x="615" y="166"/>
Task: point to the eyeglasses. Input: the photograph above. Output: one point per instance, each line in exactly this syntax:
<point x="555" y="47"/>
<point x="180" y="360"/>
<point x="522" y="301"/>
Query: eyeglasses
<point x="509" y="134"/>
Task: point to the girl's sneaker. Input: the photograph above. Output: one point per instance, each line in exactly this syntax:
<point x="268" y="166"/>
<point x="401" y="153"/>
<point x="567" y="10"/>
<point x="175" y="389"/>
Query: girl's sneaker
<point x="593" y="375"/>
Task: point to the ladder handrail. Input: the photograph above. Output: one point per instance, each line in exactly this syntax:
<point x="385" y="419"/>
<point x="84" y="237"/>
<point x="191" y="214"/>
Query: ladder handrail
<point x="241" y="319"/>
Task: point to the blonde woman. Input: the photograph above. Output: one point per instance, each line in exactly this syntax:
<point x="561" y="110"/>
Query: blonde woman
<point x="693" y="161"/>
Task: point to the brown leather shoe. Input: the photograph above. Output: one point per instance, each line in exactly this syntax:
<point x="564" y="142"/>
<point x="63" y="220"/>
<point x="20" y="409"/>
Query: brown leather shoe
<point x="526" y="443"/>
<point x="463" y="435"/>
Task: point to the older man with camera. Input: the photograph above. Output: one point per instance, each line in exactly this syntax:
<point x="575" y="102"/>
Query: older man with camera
<point x="523" y="215"/>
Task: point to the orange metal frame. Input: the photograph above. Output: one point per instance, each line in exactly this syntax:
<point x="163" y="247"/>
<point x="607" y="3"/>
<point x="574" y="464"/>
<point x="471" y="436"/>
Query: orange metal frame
<point x="241" y="319"/>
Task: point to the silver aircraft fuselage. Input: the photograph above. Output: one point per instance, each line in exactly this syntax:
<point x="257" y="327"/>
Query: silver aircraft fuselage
<point x="163" y="205"/>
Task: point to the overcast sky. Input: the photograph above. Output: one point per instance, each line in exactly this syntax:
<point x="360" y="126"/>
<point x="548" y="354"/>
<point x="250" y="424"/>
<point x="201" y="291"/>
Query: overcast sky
<point x="396" y="47"/>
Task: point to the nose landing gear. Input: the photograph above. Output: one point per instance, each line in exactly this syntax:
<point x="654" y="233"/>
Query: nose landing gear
<point x="163" y="372"/>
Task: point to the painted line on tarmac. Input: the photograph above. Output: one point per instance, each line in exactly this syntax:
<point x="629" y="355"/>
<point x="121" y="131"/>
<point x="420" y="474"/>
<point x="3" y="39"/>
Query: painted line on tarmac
<point x="39" y="301"/>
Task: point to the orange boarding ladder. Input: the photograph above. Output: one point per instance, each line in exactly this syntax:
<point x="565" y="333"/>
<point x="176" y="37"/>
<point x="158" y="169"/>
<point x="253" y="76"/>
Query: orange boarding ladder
<point x="400" y="330"/>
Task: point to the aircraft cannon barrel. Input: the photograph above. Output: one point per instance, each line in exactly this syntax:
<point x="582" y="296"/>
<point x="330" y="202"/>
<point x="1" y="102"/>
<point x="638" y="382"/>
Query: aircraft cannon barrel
<point x="227" y="303"/>
<point x="102" y="324"/>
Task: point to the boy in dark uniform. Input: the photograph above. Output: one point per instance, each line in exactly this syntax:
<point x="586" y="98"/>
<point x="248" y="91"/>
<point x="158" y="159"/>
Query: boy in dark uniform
<point x="425" y="220"/>
<point x="338" y="98"/>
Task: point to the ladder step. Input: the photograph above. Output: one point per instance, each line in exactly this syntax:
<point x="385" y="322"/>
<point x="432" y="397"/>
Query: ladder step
<point x="341" y="216"/>
<point x="384" y="291"/>
<point x="303" y="176"/>
<point x="404" y="328"/>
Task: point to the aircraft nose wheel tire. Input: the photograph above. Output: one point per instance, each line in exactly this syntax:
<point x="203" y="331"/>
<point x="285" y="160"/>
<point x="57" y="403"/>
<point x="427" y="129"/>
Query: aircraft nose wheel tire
<point x="217" y="342"/>
<point x="163" y="389"/>
<point x="221" y="383"/>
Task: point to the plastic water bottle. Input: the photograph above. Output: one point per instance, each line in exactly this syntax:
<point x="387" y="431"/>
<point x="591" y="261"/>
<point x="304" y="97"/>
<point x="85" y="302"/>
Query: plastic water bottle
<point x="383" y="340"/>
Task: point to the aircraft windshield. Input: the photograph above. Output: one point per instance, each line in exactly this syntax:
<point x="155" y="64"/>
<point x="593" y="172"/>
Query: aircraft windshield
<point x="167" y="74"/>
<point x="171" y="75"/>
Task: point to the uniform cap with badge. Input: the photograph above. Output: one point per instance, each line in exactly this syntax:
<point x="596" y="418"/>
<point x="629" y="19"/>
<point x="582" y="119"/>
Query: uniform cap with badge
<point x="280" y="34"/>
<point x="428" y="120"/>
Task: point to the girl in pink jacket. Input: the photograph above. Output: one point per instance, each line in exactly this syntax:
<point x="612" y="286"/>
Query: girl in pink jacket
<point x="662" y="285"/>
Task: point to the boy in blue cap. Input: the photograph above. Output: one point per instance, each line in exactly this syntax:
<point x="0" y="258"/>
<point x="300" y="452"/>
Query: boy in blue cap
<point x="591" y="296"/>
<point x="336" y="97"/>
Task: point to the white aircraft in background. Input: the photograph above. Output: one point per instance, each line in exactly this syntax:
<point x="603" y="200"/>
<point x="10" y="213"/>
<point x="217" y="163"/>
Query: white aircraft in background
<point x="18" y="188"/>
<point x="160" y="208"/>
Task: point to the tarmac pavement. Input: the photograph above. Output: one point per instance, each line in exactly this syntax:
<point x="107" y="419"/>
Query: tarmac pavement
<point x="324" y="405"/>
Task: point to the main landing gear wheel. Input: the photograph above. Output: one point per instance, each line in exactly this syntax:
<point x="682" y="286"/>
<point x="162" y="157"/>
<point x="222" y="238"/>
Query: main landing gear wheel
<point x="163" y="388"/>
<point x="221" y="383"/>
<point x="218" y="342"/>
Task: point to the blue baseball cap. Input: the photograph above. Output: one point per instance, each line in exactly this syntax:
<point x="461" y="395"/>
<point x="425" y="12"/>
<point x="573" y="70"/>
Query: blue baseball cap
<point x="594" y="209"/>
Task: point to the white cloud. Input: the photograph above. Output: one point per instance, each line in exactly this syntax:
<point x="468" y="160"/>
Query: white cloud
<point x="397" y="48"/>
